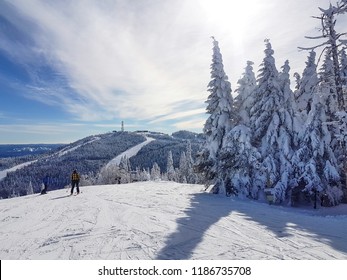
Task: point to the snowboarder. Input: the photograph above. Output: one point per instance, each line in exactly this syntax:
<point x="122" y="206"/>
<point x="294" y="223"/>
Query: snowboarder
<point x="45" y="182"/>
<point x="75" y="180"/>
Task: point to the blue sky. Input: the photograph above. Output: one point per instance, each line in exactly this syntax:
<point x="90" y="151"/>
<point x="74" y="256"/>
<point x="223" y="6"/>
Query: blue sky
<point x="70" y="69"/>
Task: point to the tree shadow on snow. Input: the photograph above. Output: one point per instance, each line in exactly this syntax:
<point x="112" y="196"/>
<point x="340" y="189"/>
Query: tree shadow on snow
<point x="285" y="222"/>
<point x="205" y="210"/>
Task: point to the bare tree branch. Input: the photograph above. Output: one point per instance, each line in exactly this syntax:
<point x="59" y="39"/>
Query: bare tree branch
<point x="328" y="31"/>
<point x="314" y="47"/>
<point x="315" y="37"/>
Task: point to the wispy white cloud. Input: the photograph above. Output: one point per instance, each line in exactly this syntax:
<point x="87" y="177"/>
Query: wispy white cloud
<point x="191" y="124"/>
<point x="179" y="115"/>
<point x="139" y="59"/>
<point x="122" y="59"/>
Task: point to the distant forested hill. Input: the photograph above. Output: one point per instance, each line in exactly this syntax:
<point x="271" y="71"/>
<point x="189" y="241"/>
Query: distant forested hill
<point x="89" y="155"/>
<point x="157" y="151"/>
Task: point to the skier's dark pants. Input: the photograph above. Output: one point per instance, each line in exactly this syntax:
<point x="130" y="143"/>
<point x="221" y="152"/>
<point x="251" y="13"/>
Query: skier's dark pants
<point x="75" y="183"/>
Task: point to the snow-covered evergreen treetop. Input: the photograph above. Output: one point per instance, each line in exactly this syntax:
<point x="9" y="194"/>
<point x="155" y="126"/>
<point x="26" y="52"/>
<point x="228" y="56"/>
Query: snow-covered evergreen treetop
<point x="273" y="126"/>
<point x="307" y="86"/>
<point x="219" y="123"/>
<point x="267" y="96"/>
<point x="244" y="100"/>
<point x="315" y="160"/>
<point x="219" y="103"/>
<point x="328" y="87"/>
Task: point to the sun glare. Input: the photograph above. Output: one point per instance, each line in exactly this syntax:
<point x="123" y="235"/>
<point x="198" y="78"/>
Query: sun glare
<point x="230" y="16"/>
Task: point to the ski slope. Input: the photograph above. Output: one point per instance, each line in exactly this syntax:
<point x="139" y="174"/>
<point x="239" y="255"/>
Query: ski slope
<point x="130" y="152"/>
<point x="165" y="220"/>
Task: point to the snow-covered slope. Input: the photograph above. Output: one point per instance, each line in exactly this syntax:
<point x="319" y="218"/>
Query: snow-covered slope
<point x="131" y="152"/>
<point x="164" y="220"/>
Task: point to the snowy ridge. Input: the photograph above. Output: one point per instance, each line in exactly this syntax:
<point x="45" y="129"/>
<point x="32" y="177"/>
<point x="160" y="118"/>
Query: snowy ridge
<point x="69" y="149"/>
<point x="3" y="173"/>
<point x="165" y="220"/>
<point x="62" y="152"/>
<point x="130" y="152"/>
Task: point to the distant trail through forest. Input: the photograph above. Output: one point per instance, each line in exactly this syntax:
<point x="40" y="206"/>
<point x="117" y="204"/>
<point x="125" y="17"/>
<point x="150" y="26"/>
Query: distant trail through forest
<point x="130" y="152"/>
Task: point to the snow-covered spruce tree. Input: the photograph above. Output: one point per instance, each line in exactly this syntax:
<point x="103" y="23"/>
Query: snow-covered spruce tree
<point x="306" y="87"/>
<point x="125" y="164"/>
<point x="191" y="176"/>
<point x="327" y="87"/>
<point x="183" y="168"/>
<point x="341" y="138"/>
<point x="238" y="156"/>
<point x="109" y="174"/>
<point x="239" y="159"/>
<point x="288" y="95"/>
<point x="218" y="124"/>
<point x="314" y="160"/>
<point x="155" y="172"/>
<point x="170" y="170"/>
<point x="114" y="173"/>
<point x="244" y="100"/>
<point x="328" y="90"/>
<point x="272" y="126"/>
<point x="334" y="45"/>
<point x="124" y="170"/>
<point x="144" y="175"/>
<point x="30" y="189"/>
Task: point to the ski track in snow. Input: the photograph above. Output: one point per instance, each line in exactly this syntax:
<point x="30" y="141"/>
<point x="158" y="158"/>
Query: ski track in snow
<point x="164" y="220"/>
<point x="130" y="152"/>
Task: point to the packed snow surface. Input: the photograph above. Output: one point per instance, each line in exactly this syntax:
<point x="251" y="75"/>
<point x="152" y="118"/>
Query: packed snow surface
<point x="165" y="220"/>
